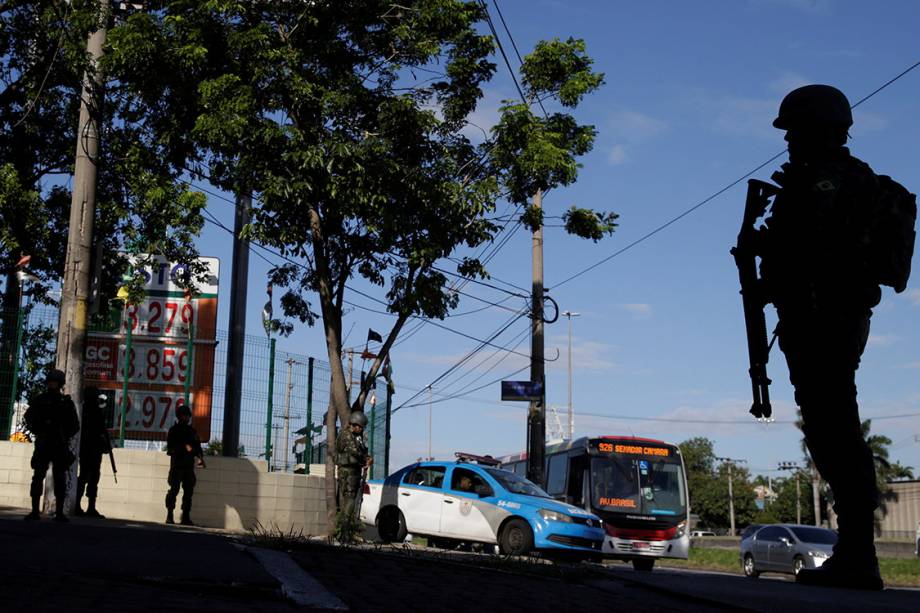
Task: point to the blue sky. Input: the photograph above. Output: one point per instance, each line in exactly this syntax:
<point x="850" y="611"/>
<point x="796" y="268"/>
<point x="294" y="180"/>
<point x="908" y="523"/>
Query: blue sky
<point x="691" y="89"/>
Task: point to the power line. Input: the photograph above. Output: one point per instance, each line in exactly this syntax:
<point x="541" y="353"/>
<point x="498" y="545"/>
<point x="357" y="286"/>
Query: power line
<point x="715" y="195"/>
<point x="461" y="395"/>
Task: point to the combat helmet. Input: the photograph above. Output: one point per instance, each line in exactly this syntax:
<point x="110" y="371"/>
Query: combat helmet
<point x="358" y="418"/>
<point x="183" y="409"/>
<point x="55" y="376"/>
<point x="814" y="105"/>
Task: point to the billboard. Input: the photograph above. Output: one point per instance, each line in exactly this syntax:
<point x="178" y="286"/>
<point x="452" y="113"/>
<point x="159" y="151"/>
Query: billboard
<point x="173" y="337"/>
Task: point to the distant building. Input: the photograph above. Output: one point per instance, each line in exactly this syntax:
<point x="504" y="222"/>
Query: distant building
<point x="903" y="512"/>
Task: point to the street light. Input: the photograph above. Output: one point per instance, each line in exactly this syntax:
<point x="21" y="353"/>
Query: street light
<point x="798" y="489"/>
<point x="570" y="315"/>
<point x="730" y="462"/>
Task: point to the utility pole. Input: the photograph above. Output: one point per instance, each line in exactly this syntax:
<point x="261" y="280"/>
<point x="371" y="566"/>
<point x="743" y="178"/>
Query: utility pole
<point x="287" y="409"/>
<point x="430" y="456"/>
<point x="233" y="388"/>
<point x="536" y="416"/>
<point x="816" y="494"/>
<point x="570" y="315"/>
<point x="798" y="490"/>
<point x="730" y="463"/>
<point x="75" y="286"/>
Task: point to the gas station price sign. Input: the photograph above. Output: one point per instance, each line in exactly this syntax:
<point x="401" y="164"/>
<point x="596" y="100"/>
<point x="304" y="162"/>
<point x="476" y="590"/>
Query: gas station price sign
<point x="173" y="337"/>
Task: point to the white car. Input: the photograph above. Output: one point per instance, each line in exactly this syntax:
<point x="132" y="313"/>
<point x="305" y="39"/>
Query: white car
<point x="461" y="502"/>
<point x="697" y="533"/>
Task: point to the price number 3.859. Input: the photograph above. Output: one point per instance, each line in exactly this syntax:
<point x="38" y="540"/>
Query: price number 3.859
<point x="147" y="363"/>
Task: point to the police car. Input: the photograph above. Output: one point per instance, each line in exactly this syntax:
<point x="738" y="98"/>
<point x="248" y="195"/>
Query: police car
<point x="473" y="501"/>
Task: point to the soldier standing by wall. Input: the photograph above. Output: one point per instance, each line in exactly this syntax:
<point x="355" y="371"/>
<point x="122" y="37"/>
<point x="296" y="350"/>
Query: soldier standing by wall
<point x="94" y="443"/>
<point x="351" y="457"/>
<point x="821" y="271"/>
<point x="184" y="449"/>
<point x="52" y="418"/>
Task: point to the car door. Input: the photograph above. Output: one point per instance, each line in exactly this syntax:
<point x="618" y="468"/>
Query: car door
<point x="462" y="515"/>
<point x="420" y="499"/>
<point x="782" y="551"/>
<point x="763" y="540"/>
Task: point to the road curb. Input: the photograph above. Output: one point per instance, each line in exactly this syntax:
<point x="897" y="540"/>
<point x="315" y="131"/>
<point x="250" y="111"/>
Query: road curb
<point x="296" y="585"/>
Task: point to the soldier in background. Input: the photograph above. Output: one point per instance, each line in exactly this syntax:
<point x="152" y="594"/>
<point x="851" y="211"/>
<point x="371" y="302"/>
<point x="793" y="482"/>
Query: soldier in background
<point x="52" y="419"/>
<point x="94" y="443"/>
<point x="351" y="458"/>
<point x="184" y="449"/>
<point x="816" y="272"/>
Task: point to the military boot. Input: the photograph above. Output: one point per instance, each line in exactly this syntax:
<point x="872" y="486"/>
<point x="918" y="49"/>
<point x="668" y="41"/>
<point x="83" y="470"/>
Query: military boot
<point x="186" y="519"/>
<point x="59" y="511"/>
<point x="34" y="515"/>
<point x="169" y="517"/>
<point x="91" y="510"/>
<point x="844" y="572"/>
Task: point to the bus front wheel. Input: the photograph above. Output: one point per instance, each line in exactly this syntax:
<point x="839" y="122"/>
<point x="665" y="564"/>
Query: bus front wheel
<point x="643" y="564"/>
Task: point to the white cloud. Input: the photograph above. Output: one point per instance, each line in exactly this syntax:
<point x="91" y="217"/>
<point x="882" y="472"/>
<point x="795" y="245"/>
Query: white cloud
<point x="633" y="126"/>
<point x="586" y="355"/>
<point x="787" y="82"/>
<point x="639" y="310"/>
<point x="913" y="295"/>
<point x="807" y="6"/>
<point x="882" y="340"/>
<point x="617" y="155"/>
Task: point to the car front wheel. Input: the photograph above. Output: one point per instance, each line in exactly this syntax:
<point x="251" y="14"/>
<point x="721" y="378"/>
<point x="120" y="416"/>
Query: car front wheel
<point x="516" y="538"/>
<point x="797" y="565"/>
<point x="748" y="566"/>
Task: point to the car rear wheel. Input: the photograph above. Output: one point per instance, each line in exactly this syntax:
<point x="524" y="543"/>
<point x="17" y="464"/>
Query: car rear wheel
<point x="516" y="538"/>
<point x="391" y="525"/>
<point x="797" y="565"/>
<point x="748" y="566"/>
<point x="643" y="564"/>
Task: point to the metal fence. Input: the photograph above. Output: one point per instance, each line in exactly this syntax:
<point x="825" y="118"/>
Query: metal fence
<point x="283" y="404"/>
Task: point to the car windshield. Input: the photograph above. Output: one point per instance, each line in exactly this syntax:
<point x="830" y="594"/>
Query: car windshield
<point x="630" y="484"/>
<point x="816" y="536"/>
<point x="516" y="484"/>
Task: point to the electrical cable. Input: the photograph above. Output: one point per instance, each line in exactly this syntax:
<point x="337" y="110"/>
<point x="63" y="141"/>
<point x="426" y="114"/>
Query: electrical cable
<point x="716" y="194"/>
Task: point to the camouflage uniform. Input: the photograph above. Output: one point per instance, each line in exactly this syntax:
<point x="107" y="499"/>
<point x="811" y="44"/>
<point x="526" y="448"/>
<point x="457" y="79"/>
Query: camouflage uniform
<point x="815" y="271"/>
<point x="350" y="459"/>
<point x="52" y="418"/>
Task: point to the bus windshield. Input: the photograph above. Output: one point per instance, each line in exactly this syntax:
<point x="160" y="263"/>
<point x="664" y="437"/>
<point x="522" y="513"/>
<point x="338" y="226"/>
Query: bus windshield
<point x="630" y="484"/>
<point x="515" y="483"/>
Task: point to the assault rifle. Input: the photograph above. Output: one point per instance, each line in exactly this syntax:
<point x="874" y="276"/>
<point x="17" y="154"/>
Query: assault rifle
<point x="359" y="495"/>
<point x="745" y="252"/>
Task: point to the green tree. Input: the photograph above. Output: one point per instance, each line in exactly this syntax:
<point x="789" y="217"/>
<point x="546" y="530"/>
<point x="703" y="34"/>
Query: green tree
<point x="141" y="209"/>
<point x="346" y="119"/>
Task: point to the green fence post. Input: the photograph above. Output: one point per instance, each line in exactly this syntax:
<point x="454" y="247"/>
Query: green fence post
<point x="126" y="378"/>
<point x="386" y="433"/>
<point x="189" y="360"/>
<point x="373" y="423"/>
<point x="308" y="446"/>
<point x="271" y="391"/>
<point x="15" y="384"/>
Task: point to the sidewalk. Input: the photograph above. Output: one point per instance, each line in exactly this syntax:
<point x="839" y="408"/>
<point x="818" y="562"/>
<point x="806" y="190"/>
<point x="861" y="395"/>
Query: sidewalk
<point x="114" y="565"/>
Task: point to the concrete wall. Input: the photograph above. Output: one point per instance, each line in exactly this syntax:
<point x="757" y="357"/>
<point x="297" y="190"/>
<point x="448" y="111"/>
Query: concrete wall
<point x="232" y="493"/>
<point x="903" y="516"/>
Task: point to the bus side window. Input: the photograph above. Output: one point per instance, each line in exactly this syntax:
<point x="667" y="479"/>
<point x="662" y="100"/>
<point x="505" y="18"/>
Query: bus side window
<point x="578" y="473"/>
<point x="555" y="480"/>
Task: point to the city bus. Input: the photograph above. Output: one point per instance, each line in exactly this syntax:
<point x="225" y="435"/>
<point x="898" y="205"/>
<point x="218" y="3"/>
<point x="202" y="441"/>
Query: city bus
<point x="637" y="486"/>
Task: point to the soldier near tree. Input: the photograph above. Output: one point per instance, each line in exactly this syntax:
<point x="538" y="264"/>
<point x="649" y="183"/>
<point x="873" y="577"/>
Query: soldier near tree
<point x="94" y="443"/>
<point x="52" y="418"/>
<point x="835" y="232"/>
<point x="351" y="458"/>
<point x="184" y="449"/>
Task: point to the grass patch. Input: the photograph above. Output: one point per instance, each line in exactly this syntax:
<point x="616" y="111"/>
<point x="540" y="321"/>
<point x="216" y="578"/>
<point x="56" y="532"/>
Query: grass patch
<point x="895" y="571"/>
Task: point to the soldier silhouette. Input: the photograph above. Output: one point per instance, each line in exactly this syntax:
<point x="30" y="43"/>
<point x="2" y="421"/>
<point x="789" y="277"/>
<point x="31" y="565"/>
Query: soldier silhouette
<point x="52" y="418"/>
<point x="819" y="265"/>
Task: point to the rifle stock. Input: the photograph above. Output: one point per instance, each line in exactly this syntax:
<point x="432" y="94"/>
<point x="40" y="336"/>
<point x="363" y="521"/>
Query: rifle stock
<point x="745" y="254"/>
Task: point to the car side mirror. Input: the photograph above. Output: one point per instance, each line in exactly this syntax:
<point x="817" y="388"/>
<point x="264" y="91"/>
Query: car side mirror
<point x="483" y="491"/>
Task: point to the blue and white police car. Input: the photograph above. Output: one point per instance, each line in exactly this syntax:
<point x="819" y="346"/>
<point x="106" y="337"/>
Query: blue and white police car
<point x="473" y="501"/>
